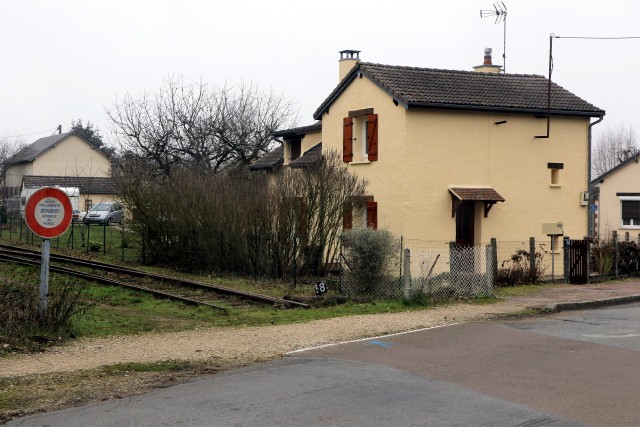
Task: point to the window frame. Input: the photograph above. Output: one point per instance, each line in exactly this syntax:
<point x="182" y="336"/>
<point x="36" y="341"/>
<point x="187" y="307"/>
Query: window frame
<point x="633" y="225"/>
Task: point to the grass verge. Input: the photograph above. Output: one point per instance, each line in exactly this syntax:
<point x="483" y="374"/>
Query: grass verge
<point x="21" y="396"/>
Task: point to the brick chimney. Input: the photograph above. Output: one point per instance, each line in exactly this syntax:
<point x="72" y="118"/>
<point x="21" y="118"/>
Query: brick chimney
<point x="348" y="60"/>
<point x="487" y="66"/>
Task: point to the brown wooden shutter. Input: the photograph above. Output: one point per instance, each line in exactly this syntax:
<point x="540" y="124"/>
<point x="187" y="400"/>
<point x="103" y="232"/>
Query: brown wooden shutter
<point x="347" y="216"/>
<point x="372" y="215"/>
<point x="347" y="140"/>
<point x="372" y="136"/>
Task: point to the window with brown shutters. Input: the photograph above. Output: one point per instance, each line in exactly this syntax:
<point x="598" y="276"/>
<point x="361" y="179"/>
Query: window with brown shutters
<point x="347" y="140"/>
<point x="372" y="137"/>
<point x="372" y="215"/>
<point x="347" y="216"/>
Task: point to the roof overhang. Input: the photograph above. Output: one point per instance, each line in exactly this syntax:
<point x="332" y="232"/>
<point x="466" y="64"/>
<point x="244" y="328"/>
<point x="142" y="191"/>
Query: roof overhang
<point x="486" y="195"/>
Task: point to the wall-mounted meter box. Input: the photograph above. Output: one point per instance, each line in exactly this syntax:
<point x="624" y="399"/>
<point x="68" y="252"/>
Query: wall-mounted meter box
<point x="552" y="228"/>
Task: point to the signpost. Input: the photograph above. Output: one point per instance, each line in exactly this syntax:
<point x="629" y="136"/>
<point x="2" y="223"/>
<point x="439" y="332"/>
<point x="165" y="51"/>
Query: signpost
<point x="48" y="213"/>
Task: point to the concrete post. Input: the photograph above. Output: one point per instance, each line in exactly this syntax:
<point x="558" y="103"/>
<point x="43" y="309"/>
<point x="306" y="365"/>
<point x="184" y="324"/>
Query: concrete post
<point x="494" y="260"/>
<point x="406" y="273"/>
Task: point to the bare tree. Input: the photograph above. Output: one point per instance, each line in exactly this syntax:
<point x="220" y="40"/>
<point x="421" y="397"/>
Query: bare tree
<point x="199" y="125"/>
<point x="613" y="146"/>
<point x="8" y="147"/>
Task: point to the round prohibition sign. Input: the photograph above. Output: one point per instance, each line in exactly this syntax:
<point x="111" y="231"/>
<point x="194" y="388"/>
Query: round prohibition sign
<point x="48" y="212"/>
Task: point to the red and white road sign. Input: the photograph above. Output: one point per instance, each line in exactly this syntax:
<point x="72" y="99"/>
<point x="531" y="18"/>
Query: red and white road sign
<point x="48" y="212"/>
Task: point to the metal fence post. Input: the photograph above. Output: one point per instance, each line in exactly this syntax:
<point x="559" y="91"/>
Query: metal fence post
<point x="532" y="254"/>
<point x="614" y="239"/>
<point x="565" y="258"/>
<point x="406" y="278"/>
<point x="104" y="239"/>
<point x="491" y="255"/>
<point x="452" y="257"/>
<point x="626" y="236"/>
<point x="494" y="260"/>
<point x="401" y="252"/>
<point x="295" y="261"/>
<point x="88" y="236"/>
<point x="122" y="240"/>
<point x="222" y="250"/>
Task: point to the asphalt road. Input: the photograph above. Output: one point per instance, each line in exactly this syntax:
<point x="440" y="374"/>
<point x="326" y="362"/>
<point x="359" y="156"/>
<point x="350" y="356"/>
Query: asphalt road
<point x="569" y="369"/>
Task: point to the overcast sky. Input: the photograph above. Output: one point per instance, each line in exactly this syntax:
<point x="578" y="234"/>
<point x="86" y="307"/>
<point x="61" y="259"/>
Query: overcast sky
<point x="69" y="59"/>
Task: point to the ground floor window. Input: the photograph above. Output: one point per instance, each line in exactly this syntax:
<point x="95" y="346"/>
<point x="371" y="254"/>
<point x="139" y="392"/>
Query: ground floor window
<point x="630" y="212"/>
<point x="362" y="212"/>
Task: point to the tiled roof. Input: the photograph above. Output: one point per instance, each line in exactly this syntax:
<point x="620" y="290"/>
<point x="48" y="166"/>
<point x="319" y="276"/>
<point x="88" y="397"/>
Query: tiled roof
<point x="302" y="130"/>
<point x="269" y="161"/>
<point x="428" y="87"/>
<point x="31" y="151"/>
<point x="476" y="194"/>
<point x="311" y="156"/>
<point x="86" y="185"/>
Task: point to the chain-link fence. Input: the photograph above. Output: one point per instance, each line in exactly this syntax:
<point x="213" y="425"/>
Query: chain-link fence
<point x="444" y="270"/>
<point x="420" y="268"/>
<point x="115" y="241"/>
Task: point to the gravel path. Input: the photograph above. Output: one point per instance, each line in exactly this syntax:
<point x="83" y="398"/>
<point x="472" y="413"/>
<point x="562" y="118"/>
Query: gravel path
<point x="248" y="344"/>
<point x="243" y="344"/>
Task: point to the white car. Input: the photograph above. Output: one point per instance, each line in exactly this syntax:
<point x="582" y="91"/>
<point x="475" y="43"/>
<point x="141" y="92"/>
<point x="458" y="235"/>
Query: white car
<point x="78" y="215"/>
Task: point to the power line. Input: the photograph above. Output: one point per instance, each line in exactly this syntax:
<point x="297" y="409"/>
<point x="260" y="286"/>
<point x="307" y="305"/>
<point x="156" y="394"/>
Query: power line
<point x="31" y="134"/>
<point x="597" y="38"/>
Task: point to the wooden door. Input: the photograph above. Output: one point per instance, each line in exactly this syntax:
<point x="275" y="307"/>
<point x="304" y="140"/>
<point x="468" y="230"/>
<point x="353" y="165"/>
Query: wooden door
<point x="465" y="219"/>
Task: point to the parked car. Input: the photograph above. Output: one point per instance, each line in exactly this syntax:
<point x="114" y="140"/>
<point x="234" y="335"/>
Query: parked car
<point x="78" y="215"/>
<point x="104" y="213"/>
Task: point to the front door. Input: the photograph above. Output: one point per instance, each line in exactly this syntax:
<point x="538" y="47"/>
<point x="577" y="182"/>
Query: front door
<point x="465" y="218"/>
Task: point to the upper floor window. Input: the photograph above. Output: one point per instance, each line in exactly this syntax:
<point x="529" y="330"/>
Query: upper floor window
<point x="360" y="136"/>
<point x="294" y="149"/>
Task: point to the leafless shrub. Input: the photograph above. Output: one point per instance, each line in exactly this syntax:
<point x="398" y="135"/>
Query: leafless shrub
<point x="239" y="221"/>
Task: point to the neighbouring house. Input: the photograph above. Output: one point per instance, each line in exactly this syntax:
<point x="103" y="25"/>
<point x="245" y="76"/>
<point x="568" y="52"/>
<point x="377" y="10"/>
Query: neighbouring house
<point x="67" y="154"/>
<point x="617" y="200"/>
<point x="300" y="146"/>
<point x="452" y="155"/>
<point x="92" y="190"/>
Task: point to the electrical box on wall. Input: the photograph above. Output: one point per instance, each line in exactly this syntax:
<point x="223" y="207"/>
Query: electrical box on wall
<point x="584" y="198"/>
<point x="552" y="228"/>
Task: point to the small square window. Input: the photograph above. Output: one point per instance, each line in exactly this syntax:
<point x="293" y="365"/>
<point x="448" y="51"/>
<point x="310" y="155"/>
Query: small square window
<point x="555" y="169"/>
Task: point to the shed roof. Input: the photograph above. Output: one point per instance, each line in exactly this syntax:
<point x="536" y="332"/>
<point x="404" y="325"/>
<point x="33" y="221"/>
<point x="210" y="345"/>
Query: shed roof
<point x="86" y="185"/>
<point x="269" y="161"/>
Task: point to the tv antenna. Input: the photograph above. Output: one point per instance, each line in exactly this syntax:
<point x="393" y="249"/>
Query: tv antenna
<point x="500" y="12"/>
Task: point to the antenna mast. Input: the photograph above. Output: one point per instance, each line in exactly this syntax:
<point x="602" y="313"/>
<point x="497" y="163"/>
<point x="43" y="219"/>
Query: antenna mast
<point x="500" y="12"/>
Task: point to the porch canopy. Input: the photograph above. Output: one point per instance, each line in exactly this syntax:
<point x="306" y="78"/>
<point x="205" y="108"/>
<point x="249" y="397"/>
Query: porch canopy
<point x="487" y="195"/>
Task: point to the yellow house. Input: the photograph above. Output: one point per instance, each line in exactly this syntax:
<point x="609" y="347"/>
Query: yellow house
<point x="67" y="154"/>
<point x="456" y="155"/>
<point x="618" y="200"/>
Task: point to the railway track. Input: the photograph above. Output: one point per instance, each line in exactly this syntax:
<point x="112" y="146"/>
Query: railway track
<point x="163" y="286"/>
